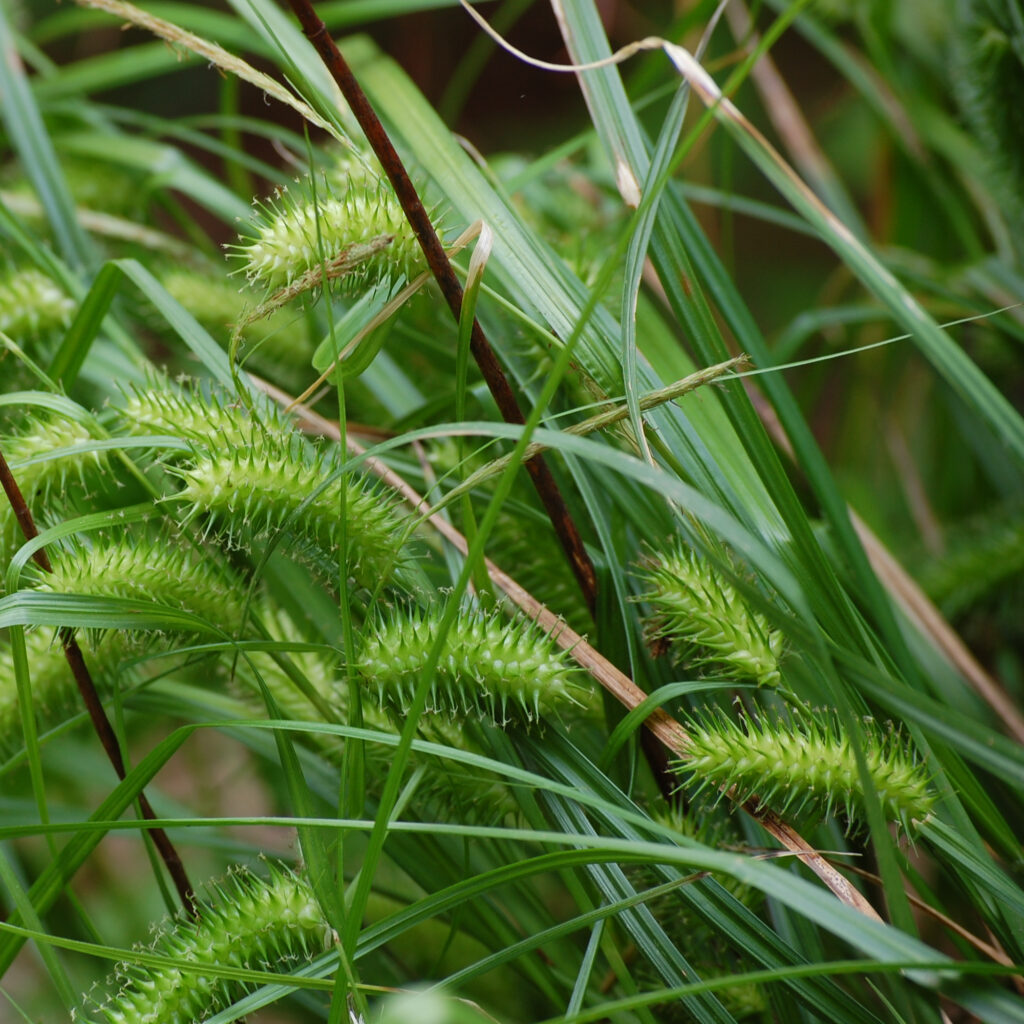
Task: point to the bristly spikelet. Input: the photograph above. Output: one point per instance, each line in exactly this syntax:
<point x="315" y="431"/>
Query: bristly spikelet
<point x="53" y="688"/>
<point x="164" y="571"/>
<point x="355" y="213"/>
<point x="490" y="666"/>
<point x="272" y="483"/>
<point x="194" y="414"/>
<point x="40" y="435"/>
<point x="805" y="766"/>
<point x="32" y="304"/>
<point x="706" y="619"/>
<point x="249" y="922"/>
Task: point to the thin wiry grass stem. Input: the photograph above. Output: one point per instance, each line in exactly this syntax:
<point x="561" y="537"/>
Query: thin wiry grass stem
<point x="91" y="699"/>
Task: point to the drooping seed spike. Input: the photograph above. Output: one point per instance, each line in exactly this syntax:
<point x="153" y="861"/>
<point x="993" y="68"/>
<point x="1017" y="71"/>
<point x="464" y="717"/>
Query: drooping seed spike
<point x="490" y="665"/>
<point x="806" y="765"/>
<point x="706" y="619"/>
<point x="247" y="922"/>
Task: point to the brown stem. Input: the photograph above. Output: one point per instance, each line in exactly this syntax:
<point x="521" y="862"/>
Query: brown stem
<point x="91" y="699"/>
<point x="441" y="269"/>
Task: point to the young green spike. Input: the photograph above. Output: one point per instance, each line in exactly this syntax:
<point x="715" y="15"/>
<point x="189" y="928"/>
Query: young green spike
<point x="246" y="921"/>
<point x="489" y="666"/>
<point x="273" y="483"/>
<point x="32" y="304"/>
<point x="354" y="224"/>
<point x="706" y="619"/>
<point x="805" y="766"/>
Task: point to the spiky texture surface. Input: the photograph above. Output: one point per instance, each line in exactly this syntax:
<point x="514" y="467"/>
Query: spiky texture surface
<point x="706" y="619"/>
<point x="490" y="666"/>
<point x="54" y="696"/>
<point x="272" y="483"/>
<point x="39" y="435"/>
<point x="158" y="570"/>
<point x="196" y="415"/>
<point x="352" y="212"/>
<point x="446" y="790"/>
<point x="806" y="766"/>
<point x="31" y="304"/>
<point x="163" y="570"/>
<point x="247" y="921"/>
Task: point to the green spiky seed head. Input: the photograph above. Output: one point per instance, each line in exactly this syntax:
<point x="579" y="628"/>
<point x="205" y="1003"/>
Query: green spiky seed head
<point x="54" y="694"/>
<point x="163" y="570"/>
<point x="271" y="483"/>
<point x="490" y="666"/>
<point x="32" y="304"/>
<point x="31" y="454"/>
<point x="806" y="766"/>
<point x="41" y="473"/>
<point x="706" y="620"/>
<point x="354" y="218"/>
<point x="247" y="921"/>
<point x="197" y="415"/>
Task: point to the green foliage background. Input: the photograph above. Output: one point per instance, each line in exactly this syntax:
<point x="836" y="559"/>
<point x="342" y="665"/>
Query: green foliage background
<point x="533" y="873"/>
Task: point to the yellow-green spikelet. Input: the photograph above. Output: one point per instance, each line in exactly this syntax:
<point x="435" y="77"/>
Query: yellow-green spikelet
<point x="489" y="666"/>
<point x="249" y="922"/>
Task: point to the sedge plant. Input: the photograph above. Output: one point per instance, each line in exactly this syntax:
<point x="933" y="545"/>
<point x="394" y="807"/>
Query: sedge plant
<point x="413" y="762"/>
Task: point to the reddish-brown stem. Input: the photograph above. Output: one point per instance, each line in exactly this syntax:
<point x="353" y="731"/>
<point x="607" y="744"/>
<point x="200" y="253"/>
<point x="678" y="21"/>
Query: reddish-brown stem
<point x="91" y="699"/>
<point x="437" y="261"/>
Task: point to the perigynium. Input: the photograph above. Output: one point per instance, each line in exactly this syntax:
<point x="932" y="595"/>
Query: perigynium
<point x="806" y="765"/>
<point x="247" y="921"/>
<point x="706" y="620"/>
